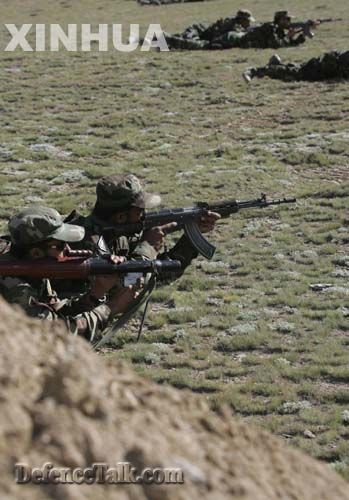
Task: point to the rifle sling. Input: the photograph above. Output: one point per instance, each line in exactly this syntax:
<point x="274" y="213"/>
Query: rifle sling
<point x="143" y="298"/>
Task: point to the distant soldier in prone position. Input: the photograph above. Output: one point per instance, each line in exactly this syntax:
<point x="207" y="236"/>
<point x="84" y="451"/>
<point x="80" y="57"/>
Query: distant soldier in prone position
<point x="221" y="34"/>
<point x="273" y="35"/>
<point x="331" y="65"/>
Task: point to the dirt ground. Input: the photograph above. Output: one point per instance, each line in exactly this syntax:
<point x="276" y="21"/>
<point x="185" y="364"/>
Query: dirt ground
<point x="61" y="403"/>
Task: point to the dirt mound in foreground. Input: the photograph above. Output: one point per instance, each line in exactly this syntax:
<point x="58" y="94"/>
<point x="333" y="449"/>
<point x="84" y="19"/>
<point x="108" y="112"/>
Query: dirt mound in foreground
<point x="61" y="403"/>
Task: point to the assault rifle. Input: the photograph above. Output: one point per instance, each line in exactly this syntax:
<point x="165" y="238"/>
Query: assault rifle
<point x="307" y="26"/>
<point x="186" y="219"/>
<point x="81" y="268"/>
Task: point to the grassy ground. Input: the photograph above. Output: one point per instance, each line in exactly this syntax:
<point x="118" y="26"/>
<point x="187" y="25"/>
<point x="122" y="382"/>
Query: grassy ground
<point x="245" y="329"/>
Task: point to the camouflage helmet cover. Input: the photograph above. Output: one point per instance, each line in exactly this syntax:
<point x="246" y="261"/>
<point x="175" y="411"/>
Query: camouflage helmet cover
<point x="280" y="14"/>
<point x="123" y="191"/>
<point x="37" y="224"/>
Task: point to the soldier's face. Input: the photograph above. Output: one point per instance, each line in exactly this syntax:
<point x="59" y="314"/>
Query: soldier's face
<point x="245" y="23"/>
<point x="136" y="215"/>
<point x="132" y="216"/>
<point x="55" y="248"/>
<point x="285" y="22"/>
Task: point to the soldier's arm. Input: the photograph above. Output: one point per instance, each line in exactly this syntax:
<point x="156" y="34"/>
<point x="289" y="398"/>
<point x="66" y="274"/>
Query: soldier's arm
<point x="36" y="304"/>
<point x="134" y="248"/>
<point x="297" y="41"/>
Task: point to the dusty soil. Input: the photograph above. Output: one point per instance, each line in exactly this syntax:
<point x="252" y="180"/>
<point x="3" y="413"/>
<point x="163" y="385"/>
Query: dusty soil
<point x="61" y="403"/>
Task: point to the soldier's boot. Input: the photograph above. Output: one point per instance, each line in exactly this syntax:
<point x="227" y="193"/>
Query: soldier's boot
<point x="275" y="60"/>
<point x="254" y="73"/>
<point x="247" y="76"/>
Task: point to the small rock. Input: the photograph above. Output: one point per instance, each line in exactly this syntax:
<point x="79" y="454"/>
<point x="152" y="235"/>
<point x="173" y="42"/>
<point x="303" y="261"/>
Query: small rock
<point x="242" y="329"/>
<point x="289" y="310"/>
<point x="50" y="149"/>
<point x="165" y="146"/>
<point x="5" y="154"/>
<point x="248" y="315"/>
<point x="291" y="407"/>
<point x="203" y="322"/>
<point x="212" y="301"/>
<point x="188" y="173"/>
<point x="165" y="85"/>
<point x="251" y="227"/>
<point x="180" y="334"/>
<point x="240" y="357"/>
<point x="344" y="311"/>
<point x="151" y="358"/>
<point x="310" y="254"/>
<point x="151" y="90"/>
<point x="161" y="347"/>
<point x="308" y="434"/>
<point x="283" y="361"/>
<point x="345" y="417"/>
<point x="303" y="257"/>
<point x="319" y="287"/>
<point x="284" y="327"/>
<point x="43" y="148"/>
<point x="182" y="309"/>
<point x="75" y="175"/>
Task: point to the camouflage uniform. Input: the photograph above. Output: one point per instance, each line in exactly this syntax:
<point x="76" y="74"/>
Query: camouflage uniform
<point x="270" y="35"/>
<point x="221" y="34"/>
<point x="227" y="33"/>
<point x="37" y="297"/>
<point x="330" y="65"/>
<point x="124" y="191"/>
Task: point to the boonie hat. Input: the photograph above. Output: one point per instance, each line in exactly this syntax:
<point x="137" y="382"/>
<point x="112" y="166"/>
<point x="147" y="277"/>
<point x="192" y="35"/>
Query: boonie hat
<point x="122" y="191"/>
<point x="280" y="14"/>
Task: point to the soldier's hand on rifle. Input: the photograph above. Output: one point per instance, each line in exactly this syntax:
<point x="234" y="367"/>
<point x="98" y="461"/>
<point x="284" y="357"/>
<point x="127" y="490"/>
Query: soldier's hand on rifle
<point x="103" y="283"/>
<point x="208" y="221"/>
<point x="156" y="235"/>
<point x="122" y="299"/>
<point x="294" y="31"/>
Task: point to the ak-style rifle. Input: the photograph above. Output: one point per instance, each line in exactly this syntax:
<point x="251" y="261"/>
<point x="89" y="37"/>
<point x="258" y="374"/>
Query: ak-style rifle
<point x="187" y="219"/>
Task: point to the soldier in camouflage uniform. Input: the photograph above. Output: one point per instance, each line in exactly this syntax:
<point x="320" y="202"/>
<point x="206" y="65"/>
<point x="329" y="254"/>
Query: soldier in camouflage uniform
<point x="227" y="33"/>
<point x="122" y="200"/>
<point x="330" y="65"/>
<point x="218" y="35"/>
<point x="40" y="232"/>
<point x="273" y="35"/>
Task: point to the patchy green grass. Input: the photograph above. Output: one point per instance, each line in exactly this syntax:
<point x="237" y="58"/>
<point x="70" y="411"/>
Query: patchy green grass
<point x="246" y="330"/>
